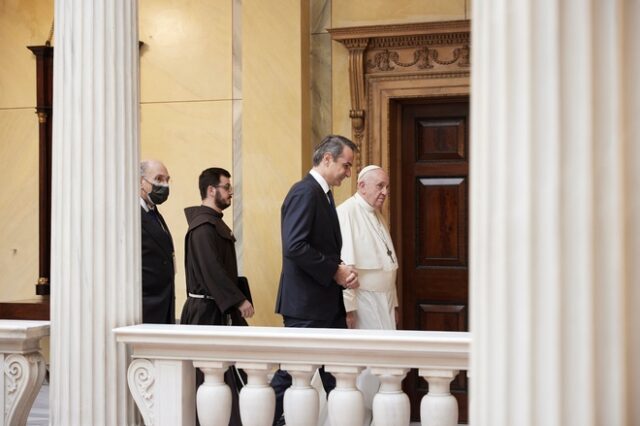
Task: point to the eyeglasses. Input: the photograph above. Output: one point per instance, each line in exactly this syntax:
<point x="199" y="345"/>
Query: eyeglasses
<point x="227" y="187"/>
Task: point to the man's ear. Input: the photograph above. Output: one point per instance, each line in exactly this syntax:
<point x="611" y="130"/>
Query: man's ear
<point x="327" y="157"/>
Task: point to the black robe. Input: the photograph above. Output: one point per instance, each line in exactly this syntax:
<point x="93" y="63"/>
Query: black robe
<point x="211" y="269"/>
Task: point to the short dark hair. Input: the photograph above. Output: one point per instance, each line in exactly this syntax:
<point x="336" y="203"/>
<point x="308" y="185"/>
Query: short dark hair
<point x="334" y="145"/>
<point x="210" y="177"/>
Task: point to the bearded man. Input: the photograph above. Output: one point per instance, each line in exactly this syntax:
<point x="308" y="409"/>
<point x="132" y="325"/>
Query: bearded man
<point x="214" y="294"/>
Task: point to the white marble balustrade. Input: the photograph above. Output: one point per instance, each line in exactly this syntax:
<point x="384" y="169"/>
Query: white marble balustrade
<point x="161" y="375"/>
<point x="23" y="368"/>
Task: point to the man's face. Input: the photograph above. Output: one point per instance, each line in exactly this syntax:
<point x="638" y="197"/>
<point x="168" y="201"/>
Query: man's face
<point x="223" y="193"/>
<point x="156" y="173"/>
<point x="338" y="168"/>
<point x="374" y="188"/>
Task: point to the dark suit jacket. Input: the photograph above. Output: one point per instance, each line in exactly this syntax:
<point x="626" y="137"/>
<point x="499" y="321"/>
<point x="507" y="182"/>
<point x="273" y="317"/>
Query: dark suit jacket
<point x="158" y="290"/>
<point x="311" y="244"/>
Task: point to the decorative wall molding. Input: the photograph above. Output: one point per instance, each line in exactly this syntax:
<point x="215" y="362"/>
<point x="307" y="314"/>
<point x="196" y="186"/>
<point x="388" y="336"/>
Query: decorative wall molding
<point x="422" y="56"/>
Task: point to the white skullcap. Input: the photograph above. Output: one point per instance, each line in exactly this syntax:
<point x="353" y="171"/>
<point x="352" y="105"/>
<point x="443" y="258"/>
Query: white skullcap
<point x="366" y="170"/>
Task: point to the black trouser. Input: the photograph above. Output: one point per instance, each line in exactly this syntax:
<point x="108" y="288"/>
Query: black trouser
<point x="282" y="380"/>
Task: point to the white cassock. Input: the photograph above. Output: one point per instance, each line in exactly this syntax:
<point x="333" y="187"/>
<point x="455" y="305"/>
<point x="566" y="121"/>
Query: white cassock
<point x="367" y="245"/>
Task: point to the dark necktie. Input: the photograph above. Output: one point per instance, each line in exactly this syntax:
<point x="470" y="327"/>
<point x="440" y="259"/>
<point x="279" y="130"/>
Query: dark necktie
<point x="331" y="201"/>
<point x="156" y="217"/>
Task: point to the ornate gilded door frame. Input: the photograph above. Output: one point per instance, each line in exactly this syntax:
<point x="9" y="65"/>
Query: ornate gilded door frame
<point x="390" y="62"/>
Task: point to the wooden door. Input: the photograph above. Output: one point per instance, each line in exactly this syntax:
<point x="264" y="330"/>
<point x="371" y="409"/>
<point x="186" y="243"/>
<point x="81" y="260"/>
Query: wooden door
<point x="433" y="224"/>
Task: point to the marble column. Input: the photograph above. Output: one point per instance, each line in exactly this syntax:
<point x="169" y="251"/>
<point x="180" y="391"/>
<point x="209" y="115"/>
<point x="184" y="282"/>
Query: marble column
<point x="95" y="268"/>
<point x="555" y="242"/>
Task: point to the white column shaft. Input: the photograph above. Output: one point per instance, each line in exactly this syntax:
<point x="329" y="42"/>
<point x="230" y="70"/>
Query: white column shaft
<point x="555" y="232"/>
<point x="95" y="268"/>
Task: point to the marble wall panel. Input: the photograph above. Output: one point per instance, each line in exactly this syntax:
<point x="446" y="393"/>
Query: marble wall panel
<point x="276" y="130"/>
<point x="320" y="87"/>
<point x="349" y="13"/>
<point x="187" y="53"/>
<point x="188" y="137"/>
<point x="320" y="16"/>
<point x="18" y="204"/>
<point x="22" y="23"/>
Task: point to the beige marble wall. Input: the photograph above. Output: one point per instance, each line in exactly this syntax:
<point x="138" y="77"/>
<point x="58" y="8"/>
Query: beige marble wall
<point x="354" y="13"/>
<point x="320" y="70"/>
<point x="18" y="203"/>
<point x="187" y="54"/>
<point x="22" y="23"/>
<point x="257" y="113"/>
<point x="186" y="102"/>
<point x="351" y="13"/>
<point x="276" y="131"/>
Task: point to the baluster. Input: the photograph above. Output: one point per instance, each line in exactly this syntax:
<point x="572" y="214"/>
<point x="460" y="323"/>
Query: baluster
<point x="257" y="398"/>
<point x="391" y="405"/>
<point x="213" y="398"/>
<point x="346" y="405"/>
<point x="301" y="399"/>
<point x="439" y="407"/>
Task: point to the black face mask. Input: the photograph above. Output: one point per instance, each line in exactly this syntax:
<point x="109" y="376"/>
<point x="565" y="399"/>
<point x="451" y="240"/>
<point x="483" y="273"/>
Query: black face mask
<point x="159" y="193"/>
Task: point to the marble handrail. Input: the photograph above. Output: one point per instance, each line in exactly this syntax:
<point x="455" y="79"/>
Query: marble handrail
<point x="165" y="357"/>
<point x="23" y="367"/>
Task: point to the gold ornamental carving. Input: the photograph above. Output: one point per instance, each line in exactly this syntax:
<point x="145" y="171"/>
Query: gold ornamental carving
<point x="42" y="117"/>
<point x="408" y="52"/>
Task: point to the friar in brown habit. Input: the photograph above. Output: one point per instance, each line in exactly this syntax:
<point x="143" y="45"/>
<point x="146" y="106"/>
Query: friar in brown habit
<point x="214" y="295"/>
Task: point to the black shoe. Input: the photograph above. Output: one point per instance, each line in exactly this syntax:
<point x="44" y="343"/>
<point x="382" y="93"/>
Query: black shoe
<point x="280" y="421"/>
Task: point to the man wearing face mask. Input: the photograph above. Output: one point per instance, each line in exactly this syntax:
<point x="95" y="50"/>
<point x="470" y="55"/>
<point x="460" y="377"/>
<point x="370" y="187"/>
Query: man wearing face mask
<point x="158" y="265"/>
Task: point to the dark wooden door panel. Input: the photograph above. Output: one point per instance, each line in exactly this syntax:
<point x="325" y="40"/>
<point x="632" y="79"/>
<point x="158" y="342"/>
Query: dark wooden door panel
<point x="441" y="222"/>
<point x="434" y="158"/>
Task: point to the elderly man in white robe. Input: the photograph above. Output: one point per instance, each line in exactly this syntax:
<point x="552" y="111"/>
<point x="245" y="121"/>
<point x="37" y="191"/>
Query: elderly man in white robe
<point x="367" y="245"/>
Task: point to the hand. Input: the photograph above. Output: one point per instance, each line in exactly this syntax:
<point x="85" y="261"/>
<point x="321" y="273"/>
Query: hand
<point x="347" y="276"/>
<point x="246" y="309"/>
<point x="352" y="319"/>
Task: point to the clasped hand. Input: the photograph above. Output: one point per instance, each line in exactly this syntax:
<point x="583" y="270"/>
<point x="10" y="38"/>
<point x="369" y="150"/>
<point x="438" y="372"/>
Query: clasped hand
<point x="347" y="276"/>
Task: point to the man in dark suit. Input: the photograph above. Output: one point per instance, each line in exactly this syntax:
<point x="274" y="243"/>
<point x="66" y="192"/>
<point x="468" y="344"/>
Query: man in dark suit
<point x="313" y="277"/>
<point x="158" y="264"/>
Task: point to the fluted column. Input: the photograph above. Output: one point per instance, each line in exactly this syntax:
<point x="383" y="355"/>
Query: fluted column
<point x="95" y="211"/>
<point x="556" y="213"/>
